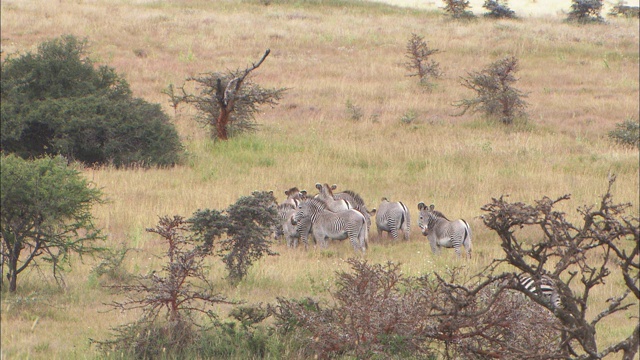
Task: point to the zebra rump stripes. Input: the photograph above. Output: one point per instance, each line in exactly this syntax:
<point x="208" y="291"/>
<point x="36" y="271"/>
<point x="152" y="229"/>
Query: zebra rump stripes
<point x="444" y="233"/>
<point x="547" y="289"/>
<point x="314" y="217"/>
<point x="393" y="217"/>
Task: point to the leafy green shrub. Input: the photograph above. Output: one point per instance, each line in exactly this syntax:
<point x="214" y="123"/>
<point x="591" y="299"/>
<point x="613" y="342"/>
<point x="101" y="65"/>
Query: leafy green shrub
<point x="458" y="9"/>
<point x="56" y="102"/>
<point x="585" y="11"/>
<point x="498" y="10"/>
<point x="247" y="225"/>
<point x="627" y="133"/>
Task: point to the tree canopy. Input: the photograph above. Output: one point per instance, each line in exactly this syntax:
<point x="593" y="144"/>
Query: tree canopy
<point x="55" y="102"/>
<point x="45" y="214"/>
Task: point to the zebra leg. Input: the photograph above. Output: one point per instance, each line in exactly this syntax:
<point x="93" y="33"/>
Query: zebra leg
<point x="394" y="233"/>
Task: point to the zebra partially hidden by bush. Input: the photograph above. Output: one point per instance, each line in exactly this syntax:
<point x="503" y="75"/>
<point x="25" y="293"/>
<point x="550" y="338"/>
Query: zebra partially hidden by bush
<point x="544" y="288"/>
<point x="444" y="233"/>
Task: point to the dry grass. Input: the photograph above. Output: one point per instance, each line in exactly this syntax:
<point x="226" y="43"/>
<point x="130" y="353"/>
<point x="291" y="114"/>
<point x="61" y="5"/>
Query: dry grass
<point x="581" y="82"/>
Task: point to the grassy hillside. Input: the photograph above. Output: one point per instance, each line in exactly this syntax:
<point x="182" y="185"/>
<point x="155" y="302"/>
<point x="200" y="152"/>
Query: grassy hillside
<point x="580" y="81"/>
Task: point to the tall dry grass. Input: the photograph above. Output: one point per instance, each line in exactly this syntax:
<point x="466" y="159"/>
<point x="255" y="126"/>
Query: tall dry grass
<point x="580" y="80"/>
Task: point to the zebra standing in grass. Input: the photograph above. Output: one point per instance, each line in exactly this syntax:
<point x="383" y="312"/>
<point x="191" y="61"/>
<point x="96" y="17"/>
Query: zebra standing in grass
<point x="286" y="211"/>
<point x="356" y="202"/>
<point x="313" y="216"/>
<point x="545" y="288"/>
<point x="326" y="194"/>
<point x="444" y="233"/>
<point x="393" y="217"/>
<point x="294" y="196"/>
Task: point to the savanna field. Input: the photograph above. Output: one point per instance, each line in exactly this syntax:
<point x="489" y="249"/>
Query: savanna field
<point x="351" y="116"/>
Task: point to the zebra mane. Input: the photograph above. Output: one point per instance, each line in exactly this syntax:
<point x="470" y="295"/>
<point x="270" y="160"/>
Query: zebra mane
<point x="356" y="198"/>
<point x="284" y="206"/>
<point x="317" y="203"/>
<point x="439" y="214"/>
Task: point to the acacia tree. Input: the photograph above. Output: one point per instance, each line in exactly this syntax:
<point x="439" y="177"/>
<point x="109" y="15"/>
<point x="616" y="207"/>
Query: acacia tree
<point x="578" y="257"/>
<point x="228" y="101"/>
<point x="247" y="225"/>
<point x="45" y="214"/>
<point x="496" y="95"/>
<point x="170" y="299"/>
<point x="419" y="63"/>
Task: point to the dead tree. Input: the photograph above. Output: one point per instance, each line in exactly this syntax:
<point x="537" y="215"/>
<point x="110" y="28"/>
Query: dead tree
<point x="228" y="101"/>
<point x="579" y="259"/>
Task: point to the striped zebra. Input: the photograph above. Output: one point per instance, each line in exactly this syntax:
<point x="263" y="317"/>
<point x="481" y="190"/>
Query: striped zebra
<point x="356" y="202"/>
<point x="393" y="217"/>
<point x="313" y="216"/>
<point x="444" y="233"/>
<point x="294" y="196"/>
<point x="284" y="228"/>
<point x="326" y="194"/>
<point x="544" y="288"/>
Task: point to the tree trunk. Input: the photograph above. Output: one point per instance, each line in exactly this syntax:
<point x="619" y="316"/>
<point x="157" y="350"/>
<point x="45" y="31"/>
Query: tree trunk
<point x="13" y="274"/>
<point x="221" y="124"/>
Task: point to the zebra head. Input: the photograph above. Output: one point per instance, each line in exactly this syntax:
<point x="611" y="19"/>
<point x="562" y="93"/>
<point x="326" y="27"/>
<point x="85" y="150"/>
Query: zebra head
<point x="427" y="217"/>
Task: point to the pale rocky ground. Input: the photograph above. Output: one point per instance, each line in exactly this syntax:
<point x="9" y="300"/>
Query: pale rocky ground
<point x="523" y="8"/>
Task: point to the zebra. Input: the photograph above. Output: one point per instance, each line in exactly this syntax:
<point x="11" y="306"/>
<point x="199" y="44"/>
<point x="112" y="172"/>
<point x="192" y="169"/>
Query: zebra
<point x="392" y="217"/>
<point x="547" y="289"/>
<point x="286" y="210"/>
<point x="356" y="202"/>
<point x="313" y="216"/>
<point x="294" y="196"/>
<point x="326" y="195"/>
<point x="444" y="233"/>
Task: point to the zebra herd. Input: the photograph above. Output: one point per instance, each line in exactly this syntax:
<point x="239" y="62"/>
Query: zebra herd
<point x="344" y="215"/>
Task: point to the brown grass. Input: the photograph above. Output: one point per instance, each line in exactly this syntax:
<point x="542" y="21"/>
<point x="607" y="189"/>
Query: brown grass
<point x="581" y="81"/>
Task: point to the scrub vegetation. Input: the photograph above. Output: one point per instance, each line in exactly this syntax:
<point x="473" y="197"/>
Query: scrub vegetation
<point x="581" y="82"/>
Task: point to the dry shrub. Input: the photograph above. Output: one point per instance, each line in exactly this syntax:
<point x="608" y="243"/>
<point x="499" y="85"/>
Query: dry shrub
<point x="379" y="313"/>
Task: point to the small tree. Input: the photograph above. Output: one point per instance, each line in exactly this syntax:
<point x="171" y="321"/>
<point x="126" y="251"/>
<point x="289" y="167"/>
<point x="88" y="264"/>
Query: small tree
<point x="496" y="97"/>
<point x="498" y="9"/>
<point x="46" y="215"/>
<point x="585" y="11"/>
<point x="170" y="299"/>
<point x="419" y="63"/>
<point x="578" y="258"/>
<point x="228" y="101"/>
<point x="458" y="9"/>
<point x="247" y="224"/>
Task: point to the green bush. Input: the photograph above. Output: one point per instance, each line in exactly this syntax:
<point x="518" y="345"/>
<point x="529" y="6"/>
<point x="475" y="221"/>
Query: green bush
<point x="627" y="133"/>
<point x="585" y="11"/>
<point x="56" y="103"/>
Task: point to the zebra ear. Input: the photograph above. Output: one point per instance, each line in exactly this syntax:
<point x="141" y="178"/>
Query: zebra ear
<point x="334" y="186"/>
<point x="372" y="211"/>
<point x="384" y="199"/>
<point x="421" y="206"/>
<point x="431" y="207"/>
<point x="318" y="186"/>
<point x="286" y="192"/>
<point x="303" y="192"/>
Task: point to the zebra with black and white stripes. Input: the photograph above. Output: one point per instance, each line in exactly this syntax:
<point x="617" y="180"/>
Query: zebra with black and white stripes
<point x="313" y="216"/>
<point x="393" y="217"/>
<point x="543" y="287"/>
<point x="444" y="233"/>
